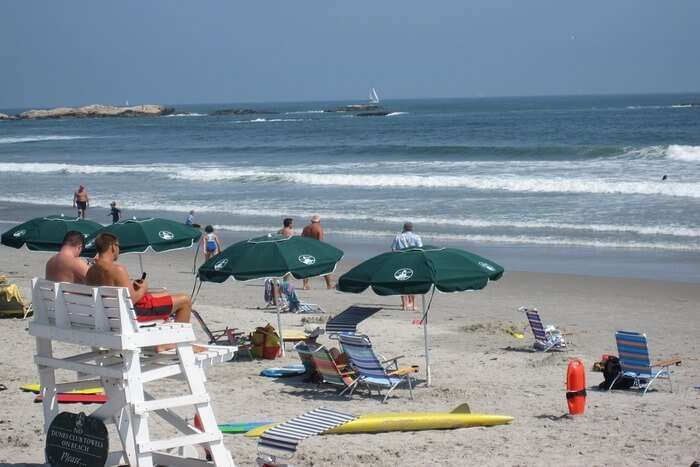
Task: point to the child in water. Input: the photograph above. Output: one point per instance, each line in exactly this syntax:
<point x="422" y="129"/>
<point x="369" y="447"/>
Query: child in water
<point x="210" y="243"/>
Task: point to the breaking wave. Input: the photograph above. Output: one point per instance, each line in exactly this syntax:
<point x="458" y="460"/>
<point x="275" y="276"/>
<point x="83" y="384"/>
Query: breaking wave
<point x="35" y="139"/>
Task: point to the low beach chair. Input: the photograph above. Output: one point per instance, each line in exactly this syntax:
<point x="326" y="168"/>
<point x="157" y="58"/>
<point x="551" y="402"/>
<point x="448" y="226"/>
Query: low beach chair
<point x="546" y="338"/>
<point x="340" y="376"/>
<point x="635" y="361"/>
<point x="281" y="441"/>
<point x="227" y="336"/>
<point x="286" y="297"/>
<point x="304" y="350"/>
<point x="370" y="369"/>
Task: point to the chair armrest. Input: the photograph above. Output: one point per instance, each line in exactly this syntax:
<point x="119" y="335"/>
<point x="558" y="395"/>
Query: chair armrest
<point x="392" y="361"/>
<point x="403" y="371"/>
<point x="668" y="362"/>
<point x="156" y="290"/>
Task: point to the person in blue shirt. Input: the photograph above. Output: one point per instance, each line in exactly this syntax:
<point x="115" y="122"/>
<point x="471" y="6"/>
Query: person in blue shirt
<point x="407" y="239"/>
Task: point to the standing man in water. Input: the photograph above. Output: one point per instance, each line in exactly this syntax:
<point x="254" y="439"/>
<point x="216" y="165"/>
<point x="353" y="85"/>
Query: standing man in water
<point x="314" y="230"/>
<point x="81" y="201"/>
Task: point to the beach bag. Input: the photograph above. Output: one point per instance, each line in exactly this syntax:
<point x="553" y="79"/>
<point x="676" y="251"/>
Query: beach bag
<point x="266" y="342"/>
<point x="611" y="370"/>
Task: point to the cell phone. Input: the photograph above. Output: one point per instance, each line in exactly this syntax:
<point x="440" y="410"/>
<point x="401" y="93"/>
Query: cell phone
<point x="143" y="278"/>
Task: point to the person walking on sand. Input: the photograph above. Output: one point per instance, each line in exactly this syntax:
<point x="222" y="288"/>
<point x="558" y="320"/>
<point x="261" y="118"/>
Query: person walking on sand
<point x="287" y="229"/>
<point x="314" y="230"/>
<point x="189" y="220"/>
<point x="81" y="201"/>
<point x="66" y="265"/>
<point x="115" y="212"/>
<point x="148" y="306"/>
<point x="211" y="245"/>
<point x="407" y="239"/>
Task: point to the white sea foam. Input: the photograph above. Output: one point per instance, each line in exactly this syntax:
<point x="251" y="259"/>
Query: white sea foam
<point x="681" y="106"/>
<point x="684" y="153"/>
<point x="38" y="138"/>
<point x="304" y="112"/>
<point x="48" y="167"/>
<point x="507" y="239"/>
<point x="187" y="114"/>
<point x="394" y="114"/>
<point x="271" y="120"/>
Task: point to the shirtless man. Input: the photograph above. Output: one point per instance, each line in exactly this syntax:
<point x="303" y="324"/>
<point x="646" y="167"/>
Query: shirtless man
<point x="81" y="201"/>
<point x="148" y="307"/>
<point x="287" y="229"/>
<point x="314" y="230"/>
<point x="66" y="265"/>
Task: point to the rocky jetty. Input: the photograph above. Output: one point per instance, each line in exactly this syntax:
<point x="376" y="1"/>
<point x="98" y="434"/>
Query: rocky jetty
<point x="223" y="112"/>
<point x="6" y="117"/>
<point x="98" y="111"/>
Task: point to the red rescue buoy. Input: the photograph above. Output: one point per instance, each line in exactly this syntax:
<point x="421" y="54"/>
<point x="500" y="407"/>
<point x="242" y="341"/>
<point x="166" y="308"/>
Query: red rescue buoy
<point x="576" y="387"/>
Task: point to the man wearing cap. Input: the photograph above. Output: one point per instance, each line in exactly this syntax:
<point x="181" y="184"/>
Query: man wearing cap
<point x="314" y="230"/>
<point x="407" y="239"/>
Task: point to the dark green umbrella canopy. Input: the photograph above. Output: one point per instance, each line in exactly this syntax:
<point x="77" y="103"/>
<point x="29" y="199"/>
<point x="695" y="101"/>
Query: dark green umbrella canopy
<point x="140" y="235"/>
<point x="272" y="256"/>
<point x="416" y="270"/>
<point x="46" y="233"/>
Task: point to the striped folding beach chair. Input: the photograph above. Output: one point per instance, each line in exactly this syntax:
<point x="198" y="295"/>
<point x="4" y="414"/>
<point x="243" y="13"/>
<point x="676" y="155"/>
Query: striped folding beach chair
<point x="546" y="338"/>
<point x="369" y="369"/>
<point x="282" y="440"/>
<point x="348" y="319"/>
<point x="330" y="372"/>
<point x="635" y="361"/>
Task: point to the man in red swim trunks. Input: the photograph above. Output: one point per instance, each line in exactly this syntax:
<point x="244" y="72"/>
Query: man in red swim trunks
<point x="148" y="307"/>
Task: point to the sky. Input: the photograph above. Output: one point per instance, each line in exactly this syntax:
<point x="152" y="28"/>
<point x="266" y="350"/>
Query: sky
<point x="175" y="52"/>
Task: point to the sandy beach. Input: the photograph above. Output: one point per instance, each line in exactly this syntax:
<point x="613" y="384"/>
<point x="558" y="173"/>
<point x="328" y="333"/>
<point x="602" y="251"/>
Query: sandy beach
<point x="475" y="361"/>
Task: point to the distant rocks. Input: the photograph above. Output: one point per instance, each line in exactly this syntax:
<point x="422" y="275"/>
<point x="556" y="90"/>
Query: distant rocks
<point x="98" y="111"/>
<point x="6" y="117"/>
<point x="224" y="112"/>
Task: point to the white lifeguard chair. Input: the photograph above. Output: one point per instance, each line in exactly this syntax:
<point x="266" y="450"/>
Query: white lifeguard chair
<point x="112" y="351"/>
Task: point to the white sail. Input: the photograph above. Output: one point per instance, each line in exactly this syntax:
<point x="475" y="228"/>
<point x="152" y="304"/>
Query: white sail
<point x="373" y="97"/>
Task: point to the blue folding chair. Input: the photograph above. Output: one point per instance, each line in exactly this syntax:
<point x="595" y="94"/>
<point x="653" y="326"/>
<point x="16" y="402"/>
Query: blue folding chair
<point x="635" y="362"/>
<point x="369" y="370"/>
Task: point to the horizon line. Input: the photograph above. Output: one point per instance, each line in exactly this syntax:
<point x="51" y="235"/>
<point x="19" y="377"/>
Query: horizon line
<point x="290" y="101"/>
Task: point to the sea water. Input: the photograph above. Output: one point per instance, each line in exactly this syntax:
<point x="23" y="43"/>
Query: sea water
<point x="570" y="184"/>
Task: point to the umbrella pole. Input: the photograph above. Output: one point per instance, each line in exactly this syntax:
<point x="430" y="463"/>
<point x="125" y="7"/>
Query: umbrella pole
<point x="141" y="262"/>
<point x="425" y="337"/>
<point x="279" y="319"/>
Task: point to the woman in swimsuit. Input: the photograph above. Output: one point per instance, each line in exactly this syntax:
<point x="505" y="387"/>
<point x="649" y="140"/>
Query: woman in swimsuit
<point x="210" y="243"/>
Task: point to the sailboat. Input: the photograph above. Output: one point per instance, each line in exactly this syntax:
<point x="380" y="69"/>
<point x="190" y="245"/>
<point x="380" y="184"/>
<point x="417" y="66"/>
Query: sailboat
<point x="373" y="97"/>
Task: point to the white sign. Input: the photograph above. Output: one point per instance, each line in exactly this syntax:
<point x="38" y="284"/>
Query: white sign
<point x="19" y="233"/>
<point x="166" y="235"/>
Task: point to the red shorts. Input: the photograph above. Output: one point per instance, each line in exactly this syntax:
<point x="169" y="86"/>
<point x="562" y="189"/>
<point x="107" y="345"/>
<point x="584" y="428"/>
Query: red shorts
<point x="152" y="308"/>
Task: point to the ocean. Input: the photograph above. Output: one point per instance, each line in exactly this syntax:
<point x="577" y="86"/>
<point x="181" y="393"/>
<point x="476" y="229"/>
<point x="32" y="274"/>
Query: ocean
<point x="561" y="184"/>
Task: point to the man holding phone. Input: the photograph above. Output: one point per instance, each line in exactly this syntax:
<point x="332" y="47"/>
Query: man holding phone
<point x="148" y="306"/>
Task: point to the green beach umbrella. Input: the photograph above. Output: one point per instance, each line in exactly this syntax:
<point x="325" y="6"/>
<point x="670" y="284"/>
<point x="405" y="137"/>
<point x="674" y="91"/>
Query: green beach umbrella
<point x="272" y="256"/>
<point x="418" y="271"/>
<point x="46" y="233"/>
<point x="147" y="234"/>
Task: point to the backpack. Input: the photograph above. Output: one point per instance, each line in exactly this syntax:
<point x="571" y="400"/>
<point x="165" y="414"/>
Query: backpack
<point x="611" y="370"/>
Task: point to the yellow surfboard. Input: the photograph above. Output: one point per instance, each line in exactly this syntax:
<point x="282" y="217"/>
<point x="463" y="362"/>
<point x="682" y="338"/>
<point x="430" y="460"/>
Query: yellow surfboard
<point x="36" y="389"/>
<point x="460" y="417"/>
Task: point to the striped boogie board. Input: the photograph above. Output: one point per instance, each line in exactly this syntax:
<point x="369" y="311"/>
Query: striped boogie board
<point x="284" y="438"/>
